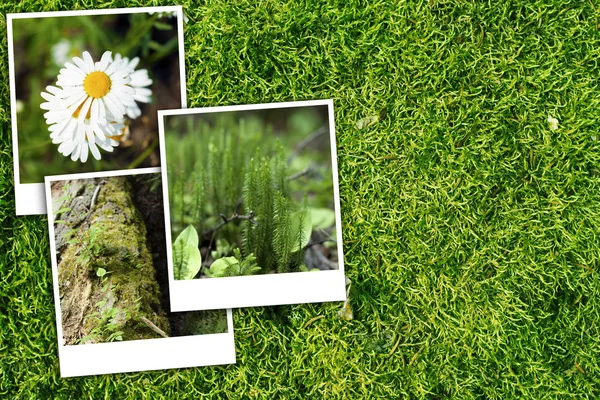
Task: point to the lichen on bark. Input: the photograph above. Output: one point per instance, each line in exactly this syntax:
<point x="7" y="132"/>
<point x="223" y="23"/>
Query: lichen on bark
<point x="111" y="236"/>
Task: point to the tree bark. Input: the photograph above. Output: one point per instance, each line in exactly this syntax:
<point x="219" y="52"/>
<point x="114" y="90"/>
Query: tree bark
<point x="99" y="229"/>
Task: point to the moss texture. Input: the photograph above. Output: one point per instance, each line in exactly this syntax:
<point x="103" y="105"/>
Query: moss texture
<point x="111" y="237"/>
<point x="470" y="227"/>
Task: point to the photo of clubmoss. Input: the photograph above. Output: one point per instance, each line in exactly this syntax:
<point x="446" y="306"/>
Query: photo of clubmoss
<point x="251" y="192"/>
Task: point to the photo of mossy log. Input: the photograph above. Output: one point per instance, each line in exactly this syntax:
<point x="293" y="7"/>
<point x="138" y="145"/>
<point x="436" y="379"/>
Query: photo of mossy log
<point x="111" y="268"/>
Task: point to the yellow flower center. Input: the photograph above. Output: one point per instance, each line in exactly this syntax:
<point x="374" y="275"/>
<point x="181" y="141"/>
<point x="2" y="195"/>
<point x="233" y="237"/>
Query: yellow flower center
<point x="96" y="84"/>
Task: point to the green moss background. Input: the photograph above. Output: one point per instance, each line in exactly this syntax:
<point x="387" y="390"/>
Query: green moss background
<point x="470" y="227"/>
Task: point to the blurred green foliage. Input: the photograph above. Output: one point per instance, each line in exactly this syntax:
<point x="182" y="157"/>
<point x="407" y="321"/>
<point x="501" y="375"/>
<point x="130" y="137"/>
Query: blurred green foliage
<point x="42" y="46"/>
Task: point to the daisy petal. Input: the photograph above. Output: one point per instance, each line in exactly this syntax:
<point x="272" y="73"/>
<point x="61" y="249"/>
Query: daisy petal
<point x="84" y="152"/>
<point x="111" y="68"/>
<point x="94" y="112"/>
<point x="74" y="69"/>
<point x="81" y="64"/>
<point x="134" y="111"/>
<point x="104" y="144"/>
<point x="134" y="62"/>
<point x="120" y="74"/>
<point x="66" y="147"/>
<point x="104" y="61"/>
<point x="75" y="153"/>
<point x="54" y="90"/>
<point x="101" y="112"/>
<point x="115" y="107"/>
<point x="70" y="131"/>
<point x="84" y="110"/>
<point x="89" y="61"/>
<point x="143" y="92"/>
<point x="80" y="134"/>
<point x="68" y="81"/>
<point x="94" y="150"/>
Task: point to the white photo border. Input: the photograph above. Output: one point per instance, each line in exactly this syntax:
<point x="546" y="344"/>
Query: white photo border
<point x="132" y="355"/>
<point x="262" y="289"/>
<point x="30" y="197"/>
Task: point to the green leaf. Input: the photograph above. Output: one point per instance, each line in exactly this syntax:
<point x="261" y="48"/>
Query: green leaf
<point x="100" y="272"/>
<point x="154" y="45"/>
<point x="301" y="222"/>
<point x="366" y="122"/>
<point x="223" y="248"/>
<point x="186" y="255"/>
<point x="322" y="217"/>
<point x="189" y="236"/>
<point x="221" y="267"/>
<point x="162" y="26"/>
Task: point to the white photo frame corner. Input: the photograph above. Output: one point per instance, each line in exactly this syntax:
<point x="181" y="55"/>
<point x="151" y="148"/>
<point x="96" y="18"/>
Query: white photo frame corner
<point x="30" y="197"/>
<point x="255" y="290"/>
<point x="132" y="355"/>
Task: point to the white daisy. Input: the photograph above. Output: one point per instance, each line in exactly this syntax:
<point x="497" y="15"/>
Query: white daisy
<point x="139" y="81"/>
<point x="75" y="135"/>
<point x="94" y="90"/>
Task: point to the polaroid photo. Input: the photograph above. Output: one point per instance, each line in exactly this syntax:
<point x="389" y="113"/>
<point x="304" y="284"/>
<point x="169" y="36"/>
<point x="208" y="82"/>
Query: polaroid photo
<point x="84" y="89"/>
<point x="253" y="210"/>
<point x="111" y="291"/>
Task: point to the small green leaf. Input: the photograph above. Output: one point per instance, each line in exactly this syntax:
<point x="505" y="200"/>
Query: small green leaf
<point x="186" y="255"/>
<point x="223" y="248"/>
<point x="322" y="217"/>
<point x="346" y="312"/>
<point x="366" y="122"/>
<point x="222" y="267"/>
<point x="330" y="245"/>
<point x="189" y="236"/>
<point x="154" y="45"/>
<point x="162" y="26"/>
<point x="100" y="272"/>
<point x="301" y="229"/>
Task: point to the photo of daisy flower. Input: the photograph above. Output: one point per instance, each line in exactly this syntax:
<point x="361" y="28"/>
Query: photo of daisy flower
<point x="86" y="87"/>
